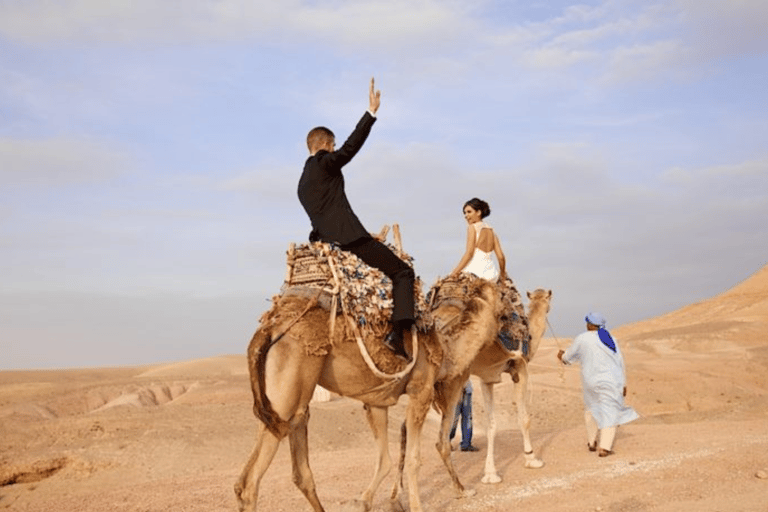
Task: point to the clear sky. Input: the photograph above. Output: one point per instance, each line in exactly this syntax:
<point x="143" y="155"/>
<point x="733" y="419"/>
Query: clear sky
<point x="150" y="152"/>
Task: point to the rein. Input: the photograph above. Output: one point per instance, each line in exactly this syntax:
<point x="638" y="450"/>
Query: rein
<point x="559" y="347"/>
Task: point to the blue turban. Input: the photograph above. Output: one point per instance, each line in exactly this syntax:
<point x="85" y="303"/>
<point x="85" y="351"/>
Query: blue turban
<point x="595" y="319"/>
<point x="605" y="337"/>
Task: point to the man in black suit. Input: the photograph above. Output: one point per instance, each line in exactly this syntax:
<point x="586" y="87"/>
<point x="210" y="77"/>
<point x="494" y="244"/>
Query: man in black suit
<point x="321" y="192"/>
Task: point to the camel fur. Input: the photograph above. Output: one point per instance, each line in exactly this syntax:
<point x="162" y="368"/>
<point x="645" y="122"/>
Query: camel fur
<point x="485" y="357"/>
<point x="491" y="362"/>
<point x="293" y="351"/>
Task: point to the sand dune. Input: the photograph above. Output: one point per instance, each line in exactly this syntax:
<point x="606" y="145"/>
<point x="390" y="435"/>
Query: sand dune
<point x="209" y="367"/>
<point x="174" y="437"/>
<point x="743" y="306"/>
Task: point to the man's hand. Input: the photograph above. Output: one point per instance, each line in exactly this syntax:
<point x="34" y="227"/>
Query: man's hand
<point x="374" y="99"/>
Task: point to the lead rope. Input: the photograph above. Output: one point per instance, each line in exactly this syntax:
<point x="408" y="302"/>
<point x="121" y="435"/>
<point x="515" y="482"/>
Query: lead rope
<point x="559" y="347"/>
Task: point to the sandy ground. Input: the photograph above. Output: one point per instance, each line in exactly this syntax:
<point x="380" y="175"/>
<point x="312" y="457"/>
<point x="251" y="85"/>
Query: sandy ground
<point x="174" y="437"/>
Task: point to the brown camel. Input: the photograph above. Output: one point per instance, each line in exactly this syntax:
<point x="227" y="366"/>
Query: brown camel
<point x="293" y="350"/>
<point x="487" y="359"/>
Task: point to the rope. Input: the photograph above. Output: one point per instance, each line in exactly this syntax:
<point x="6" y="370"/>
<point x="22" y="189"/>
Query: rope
<point x="312" y="303"/>
<point x="559" y="348"/>
<point x="361" y="345"/>
<point x="369" y="361"/>
<point x="335" y="293"/>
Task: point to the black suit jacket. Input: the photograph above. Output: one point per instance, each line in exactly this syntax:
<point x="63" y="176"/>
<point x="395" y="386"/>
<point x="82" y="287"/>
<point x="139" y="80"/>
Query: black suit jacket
<point x="321" y="190"/>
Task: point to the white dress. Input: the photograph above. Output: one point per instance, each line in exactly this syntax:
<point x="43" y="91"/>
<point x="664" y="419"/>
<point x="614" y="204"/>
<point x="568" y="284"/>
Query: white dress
<point x="481" y="263"/>
<point x="602" y="379"/>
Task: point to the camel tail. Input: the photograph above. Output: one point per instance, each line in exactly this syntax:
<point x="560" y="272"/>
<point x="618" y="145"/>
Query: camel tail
<point x="257" y="360"/>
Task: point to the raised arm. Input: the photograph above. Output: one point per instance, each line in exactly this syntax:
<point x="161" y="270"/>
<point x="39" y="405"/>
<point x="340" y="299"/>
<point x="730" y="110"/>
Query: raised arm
<point x="468" y="253"/>
<point x="374" y="99"/>
<point x="341" y="157"/>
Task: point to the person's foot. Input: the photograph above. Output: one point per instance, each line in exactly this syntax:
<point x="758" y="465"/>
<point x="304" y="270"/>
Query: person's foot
<point x="394" y="342"/>
<point x="592" y="447"/>
<point x="604" y="453"/>
<point x="470" y="448"/>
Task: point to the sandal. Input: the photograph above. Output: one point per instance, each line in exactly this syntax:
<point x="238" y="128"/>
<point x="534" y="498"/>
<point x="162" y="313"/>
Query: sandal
<point x="592" y="447"/>
<point x="604" y="453"/>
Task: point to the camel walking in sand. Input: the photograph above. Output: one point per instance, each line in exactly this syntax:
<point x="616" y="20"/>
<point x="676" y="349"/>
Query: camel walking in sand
<point x="294" y="350"/>
<point x="487" y="359"/>
<point x="489" y="365"/>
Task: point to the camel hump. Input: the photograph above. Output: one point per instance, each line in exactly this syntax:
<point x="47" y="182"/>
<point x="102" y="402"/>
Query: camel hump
<point x="458" y="291"/>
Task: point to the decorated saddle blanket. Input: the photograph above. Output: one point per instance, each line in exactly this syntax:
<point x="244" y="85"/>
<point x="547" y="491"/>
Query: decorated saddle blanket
<point x="324" y="271"/>
<point x="513" y="332"/>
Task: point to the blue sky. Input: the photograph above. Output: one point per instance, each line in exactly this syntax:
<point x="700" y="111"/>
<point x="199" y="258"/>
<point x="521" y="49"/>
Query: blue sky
<point x="150" y="152"/>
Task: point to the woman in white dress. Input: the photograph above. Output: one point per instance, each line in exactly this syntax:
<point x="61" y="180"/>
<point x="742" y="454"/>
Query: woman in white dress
<point x="481" y="243"/>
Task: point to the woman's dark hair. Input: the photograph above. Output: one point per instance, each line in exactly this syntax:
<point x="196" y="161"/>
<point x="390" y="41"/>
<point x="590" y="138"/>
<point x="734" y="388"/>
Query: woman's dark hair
<point x="479" y="205"/>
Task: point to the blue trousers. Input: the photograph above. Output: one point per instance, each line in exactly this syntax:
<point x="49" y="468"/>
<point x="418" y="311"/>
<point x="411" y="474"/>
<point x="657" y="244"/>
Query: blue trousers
<point x="463" y="409"/>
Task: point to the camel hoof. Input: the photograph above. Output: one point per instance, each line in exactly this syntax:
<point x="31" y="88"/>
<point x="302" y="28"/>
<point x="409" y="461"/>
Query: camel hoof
<point x="467" y="493"/>
<point x="534" y="464"/>
<point x="491" y="479"/>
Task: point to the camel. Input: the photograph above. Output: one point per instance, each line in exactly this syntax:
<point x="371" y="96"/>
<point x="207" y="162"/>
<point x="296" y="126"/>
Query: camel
<point x="487" y="359"/>
<point x="299" y="345"/>
<point x="492" y="362"/>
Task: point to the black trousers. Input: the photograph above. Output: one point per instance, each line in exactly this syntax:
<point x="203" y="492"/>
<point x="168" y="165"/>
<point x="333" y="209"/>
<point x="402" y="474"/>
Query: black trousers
<point x="378" y="255"/>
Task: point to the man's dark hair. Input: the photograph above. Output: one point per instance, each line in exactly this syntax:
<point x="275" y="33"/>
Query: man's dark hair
<point x="319" y="136"/>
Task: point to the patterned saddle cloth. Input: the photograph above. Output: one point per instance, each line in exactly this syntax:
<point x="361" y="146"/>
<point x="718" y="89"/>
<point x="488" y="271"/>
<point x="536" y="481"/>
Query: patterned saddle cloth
<point x="513" y="333"/>
<point x="324" y="271"/>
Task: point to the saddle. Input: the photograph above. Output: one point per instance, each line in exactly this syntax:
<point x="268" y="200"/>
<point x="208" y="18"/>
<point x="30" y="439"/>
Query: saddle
<point x="343" y="284"/>
<point x="513" y="333"/>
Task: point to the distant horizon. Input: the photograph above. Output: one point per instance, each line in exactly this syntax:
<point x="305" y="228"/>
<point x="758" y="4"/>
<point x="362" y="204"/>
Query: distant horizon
<point x="203" y="357"/>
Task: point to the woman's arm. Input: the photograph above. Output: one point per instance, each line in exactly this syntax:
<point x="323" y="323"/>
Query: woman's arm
<point x="468" y="253"/>
<point x="500" y="257"/>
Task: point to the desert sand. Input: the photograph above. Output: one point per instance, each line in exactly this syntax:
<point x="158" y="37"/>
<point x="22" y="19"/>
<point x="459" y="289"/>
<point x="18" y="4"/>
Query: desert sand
<point x="174" y="437"/>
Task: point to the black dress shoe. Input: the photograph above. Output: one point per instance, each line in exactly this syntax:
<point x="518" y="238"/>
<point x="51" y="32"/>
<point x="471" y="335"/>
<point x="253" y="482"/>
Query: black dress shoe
<point x="394" y="342"/>
<point x="470" y="448"/>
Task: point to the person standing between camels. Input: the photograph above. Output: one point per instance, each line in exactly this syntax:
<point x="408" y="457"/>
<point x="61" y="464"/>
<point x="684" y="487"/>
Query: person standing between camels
<point x="321" y="193"/>
<point x="481" y="242"/>
<point x="603" y="383"/>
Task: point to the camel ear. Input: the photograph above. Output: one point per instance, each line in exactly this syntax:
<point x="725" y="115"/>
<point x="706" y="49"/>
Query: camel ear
<point x="528" y="294"/>
<point x="549" y="293"/>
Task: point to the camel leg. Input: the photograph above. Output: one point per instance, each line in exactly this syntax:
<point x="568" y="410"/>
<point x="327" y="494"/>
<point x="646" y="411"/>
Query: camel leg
<point x="419" y="403"/>
<point x="491" y="476"/>
<point x="398" y="485"/>
<point x="247" y="486"/>
<point x="290" y="378"/>
<point x="524" y="419"/>
<point x="377" y="419"/>
<point x="453" y="395"/>
<point x="302" y="474"/>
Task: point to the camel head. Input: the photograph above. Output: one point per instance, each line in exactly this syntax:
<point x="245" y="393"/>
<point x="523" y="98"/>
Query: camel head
<point x="538" y="307"/>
